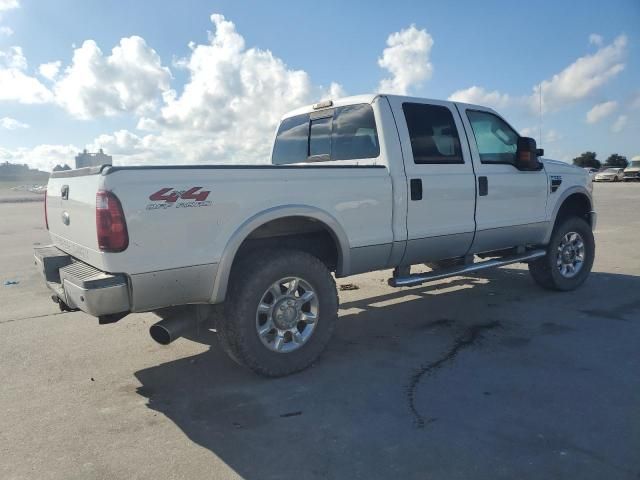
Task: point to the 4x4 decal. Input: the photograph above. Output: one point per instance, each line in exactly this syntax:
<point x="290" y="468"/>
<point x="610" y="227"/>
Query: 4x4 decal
<point x="169" y="197"/>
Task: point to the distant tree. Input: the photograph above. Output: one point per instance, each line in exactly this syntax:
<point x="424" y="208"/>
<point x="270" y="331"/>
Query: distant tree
<point x="587" y="160"/>
<point x="616" y="160"/>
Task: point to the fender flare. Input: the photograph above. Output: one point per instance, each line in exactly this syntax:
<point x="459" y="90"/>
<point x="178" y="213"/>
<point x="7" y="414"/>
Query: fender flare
<point x="560" y="201"/>
<point x="221" y="281"/>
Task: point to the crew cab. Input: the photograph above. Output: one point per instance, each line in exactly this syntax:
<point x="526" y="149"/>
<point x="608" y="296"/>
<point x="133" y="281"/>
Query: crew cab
<point x="355" y="185"/>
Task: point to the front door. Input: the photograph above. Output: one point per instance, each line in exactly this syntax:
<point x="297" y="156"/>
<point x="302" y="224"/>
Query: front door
<point x="440" y="211"/>
<point x="511" y="206"/>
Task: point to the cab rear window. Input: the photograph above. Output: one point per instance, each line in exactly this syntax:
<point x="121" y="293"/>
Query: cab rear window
<point x="342" y="133"/>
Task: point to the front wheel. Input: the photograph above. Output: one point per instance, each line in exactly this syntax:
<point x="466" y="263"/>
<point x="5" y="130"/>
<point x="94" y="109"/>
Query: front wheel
<point x="280" y="312"/>
<point x="569" y="257"/>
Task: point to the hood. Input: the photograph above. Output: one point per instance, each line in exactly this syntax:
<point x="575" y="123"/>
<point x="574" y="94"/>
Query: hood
<point x="632" y="169"/>
<point x="556" y="166"/>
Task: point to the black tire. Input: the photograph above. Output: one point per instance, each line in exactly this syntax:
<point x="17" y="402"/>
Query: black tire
<point x="545" y="271"/>
<point x="249" y="281"/>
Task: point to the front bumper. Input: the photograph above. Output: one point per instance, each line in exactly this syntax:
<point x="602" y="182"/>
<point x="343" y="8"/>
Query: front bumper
<point x="80" y="286"/>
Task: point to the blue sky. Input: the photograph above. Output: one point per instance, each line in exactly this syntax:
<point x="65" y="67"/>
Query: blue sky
<point x="180" y="103"/>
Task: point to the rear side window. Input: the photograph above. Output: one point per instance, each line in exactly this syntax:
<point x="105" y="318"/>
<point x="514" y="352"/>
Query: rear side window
<point x="344" y="133"/>
<point x="497" y="142"/>
<point x="354" y="133"/>
<point x="433" y="133"/>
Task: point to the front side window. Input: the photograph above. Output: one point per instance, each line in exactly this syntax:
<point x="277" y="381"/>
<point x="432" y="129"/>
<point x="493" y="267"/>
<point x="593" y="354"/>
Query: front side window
<point x="345" y="133"/>
<point x="497" y="142"/>
<point x="433" y="133"/>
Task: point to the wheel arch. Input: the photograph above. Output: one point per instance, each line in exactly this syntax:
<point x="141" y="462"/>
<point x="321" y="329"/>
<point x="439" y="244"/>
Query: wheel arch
<point x="261" y="219"/>
<point x="574" y="201"/>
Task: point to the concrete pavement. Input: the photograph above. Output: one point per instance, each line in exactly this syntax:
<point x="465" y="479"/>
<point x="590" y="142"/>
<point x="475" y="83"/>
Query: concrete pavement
<point x="486" y="376"/>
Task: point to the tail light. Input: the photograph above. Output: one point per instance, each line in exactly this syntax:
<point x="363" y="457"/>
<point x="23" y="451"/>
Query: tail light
<point x="110" y="223"/>
<point x="46" y="217"/>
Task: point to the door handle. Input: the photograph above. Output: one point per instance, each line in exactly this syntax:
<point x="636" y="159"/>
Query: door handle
<point x="416" y="189"/>
<point x="483" y="186"/>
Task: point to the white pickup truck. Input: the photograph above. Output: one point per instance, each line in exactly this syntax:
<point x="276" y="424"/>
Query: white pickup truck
<point x="358" y="184"/>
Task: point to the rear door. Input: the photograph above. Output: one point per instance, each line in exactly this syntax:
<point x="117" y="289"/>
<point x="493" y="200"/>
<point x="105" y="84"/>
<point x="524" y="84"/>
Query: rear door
<point x="440" y="212"/>
<point x="511" y="206"/>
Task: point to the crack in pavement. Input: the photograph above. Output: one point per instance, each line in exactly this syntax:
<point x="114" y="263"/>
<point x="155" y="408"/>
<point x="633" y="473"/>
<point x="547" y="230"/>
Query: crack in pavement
<point x="470" y="336"/>
<point x="35" y="316"/>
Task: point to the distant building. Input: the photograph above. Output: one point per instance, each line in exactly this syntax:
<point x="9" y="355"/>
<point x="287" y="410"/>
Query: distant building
<point x="86" y="159"/>
<point x="21" y="172"/>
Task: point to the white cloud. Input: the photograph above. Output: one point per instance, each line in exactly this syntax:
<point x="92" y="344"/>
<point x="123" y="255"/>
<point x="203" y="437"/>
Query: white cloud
<point x="226" y="112"/>
<point x="50" y="70"/>
<point x="480" y="96"/>
<point x="8" y="5"/>
<point x="231" y="103"/>
<point x="407" y="59"/>
<point x="13" y="58"/>
<point x="9" y="123"/>
<point x="15" y="84"/>
<point x="596" y="39"/>
<point x="131" y="79"/>
<point x="582" y="78"/>
<point x="619" y="124"/>
<point x="600" y="111"/>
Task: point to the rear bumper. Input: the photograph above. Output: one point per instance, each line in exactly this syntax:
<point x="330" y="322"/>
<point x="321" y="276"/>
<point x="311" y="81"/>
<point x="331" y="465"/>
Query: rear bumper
<point x="81" y="286"/>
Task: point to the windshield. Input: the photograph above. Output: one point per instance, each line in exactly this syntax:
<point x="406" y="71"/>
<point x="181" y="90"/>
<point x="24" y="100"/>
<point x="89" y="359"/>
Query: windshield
<point x="635" y="164"/>
<point x="611" y="170"/>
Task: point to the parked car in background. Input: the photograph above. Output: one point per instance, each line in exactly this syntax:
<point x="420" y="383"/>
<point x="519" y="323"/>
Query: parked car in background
<point x="632" y="172"/>
<point x="610" y="175"/>
<point x="591" y="171"/>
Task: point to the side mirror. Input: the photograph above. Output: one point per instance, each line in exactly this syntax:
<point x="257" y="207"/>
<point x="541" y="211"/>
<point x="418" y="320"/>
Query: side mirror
<point x="527" y="154"/>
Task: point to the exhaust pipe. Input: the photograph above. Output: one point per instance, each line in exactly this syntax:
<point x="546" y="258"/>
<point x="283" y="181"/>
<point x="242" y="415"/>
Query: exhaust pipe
<point x="178" y="322"/>
<point x="166" y="331"/>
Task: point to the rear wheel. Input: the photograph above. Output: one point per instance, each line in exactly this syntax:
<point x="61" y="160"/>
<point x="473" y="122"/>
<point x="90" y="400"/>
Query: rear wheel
<point x="569" y="257"/>
<point x="280" y="311"/>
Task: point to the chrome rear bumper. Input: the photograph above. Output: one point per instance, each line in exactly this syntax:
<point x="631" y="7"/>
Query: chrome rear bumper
<point x="81" y="286"/>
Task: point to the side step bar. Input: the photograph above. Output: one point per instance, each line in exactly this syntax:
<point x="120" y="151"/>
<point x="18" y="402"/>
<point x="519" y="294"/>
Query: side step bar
<point x="418" y="278"/>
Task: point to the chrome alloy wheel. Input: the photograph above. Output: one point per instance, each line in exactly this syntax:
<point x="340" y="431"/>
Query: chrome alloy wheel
<point x="570" y="255"/>
<point x="287" y="314"/>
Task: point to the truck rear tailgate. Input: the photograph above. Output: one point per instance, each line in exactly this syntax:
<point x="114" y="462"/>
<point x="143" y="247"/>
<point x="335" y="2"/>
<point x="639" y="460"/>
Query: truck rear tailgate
<point x="71" y="214"/>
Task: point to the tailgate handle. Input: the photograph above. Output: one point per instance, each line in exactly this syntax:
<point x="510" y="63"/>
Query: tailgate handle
<point x="65" y="192"/>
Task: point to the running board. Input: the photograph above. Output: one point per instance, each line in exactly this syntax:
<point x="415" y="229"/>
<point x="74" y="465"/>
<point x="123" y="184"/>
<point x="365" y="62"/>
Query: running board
<point x="419" y="278"/>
